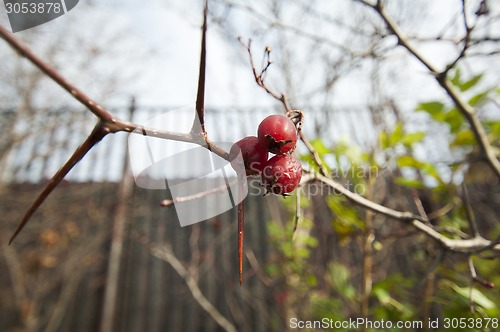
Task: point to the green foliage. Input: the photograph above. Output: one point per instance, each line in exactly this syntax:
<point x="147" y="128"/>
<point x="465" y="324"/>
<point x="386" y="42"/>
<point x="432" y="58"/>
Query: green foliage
<point x="347" y="220"/>
<point x="462" y="84"/>
<point x="459" y="299"/>
<point x="335" y="292"/>
<point x="322" y="150"/>
<point x="393" y="294"/>
<point x="441" y="113"/>
<point x="462" y="135"/>
<point x="399" y="137"/>
<point x="294" y="255"/>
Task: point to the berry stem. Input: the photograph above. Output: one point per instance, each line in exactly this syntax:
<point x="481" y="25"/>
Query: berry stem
<point x="241" y="231"/>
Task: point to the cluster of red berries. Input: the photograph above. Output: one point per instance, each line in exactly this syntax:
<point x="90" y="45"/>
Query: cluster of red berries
<point x="276" y="134"/>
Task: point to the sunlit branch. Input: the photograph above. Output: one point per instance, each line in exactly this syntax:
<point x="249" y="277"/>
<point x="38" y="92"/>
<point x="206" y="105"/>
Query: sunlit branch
<point x="441" y="77"/>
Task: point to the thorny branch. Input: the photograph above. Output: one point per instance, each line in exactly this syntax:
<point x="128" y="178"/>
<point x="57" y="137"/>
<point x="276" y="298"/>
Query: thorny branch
<point x="200" y="97"/>
<point x="107" y="123"/>
<point x="259" y="79"/>
<point x="474" y="244"/>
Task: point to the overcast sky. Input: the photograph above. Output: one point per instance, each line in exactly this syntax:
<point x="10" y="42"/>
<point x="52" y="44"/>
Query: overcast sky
<point x="157" y="50"/>
<point x="165" y="36"/>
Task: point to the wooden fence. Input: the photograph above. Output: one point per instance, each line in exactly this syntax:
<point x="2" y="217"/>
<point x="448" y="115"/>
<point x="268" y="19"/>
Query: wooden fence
<point x="96" y="256"/>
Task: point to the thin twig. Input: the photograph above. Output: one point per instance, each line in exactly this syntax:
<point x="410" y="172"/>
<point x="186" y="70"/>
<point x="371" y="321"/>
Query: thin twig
<point x="419" y="205"/>
<point x="439" y="258"/>
<point x="297" y="212"/>
<point x="223" y="188"/>
<point x="284" y="100"/>
<point x="474" y="276"/>
<point x="166" y="254"/>
<point x="470" y="213"/>
<point x="466" y="41"/>
<point x="441" y="211"/>
<point x="259" y="271"/>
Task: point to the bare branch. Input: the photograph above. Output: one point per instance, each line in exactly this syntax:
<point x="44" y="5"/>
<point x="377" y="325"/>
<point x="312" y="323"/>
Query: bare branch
<point x="432" y="268"/>
<point x="470" y="213"/>
<point x="24" y="51"/>
<point x="297" y="213"/>
<point x="466" y="41"/>
<point x="467" y="110"/>
<point x="107" y="122"/>
<point x="170" y="202"/>
<point x="360" y="200"/>
<point x="111" y="124"/>
<point x="259" y="271"/>
<point x="166" y="254"/>
<point x="476" y="278"/>
<point x="283" y="99"/>
<point x="471" y="245"/>
<point x="259" y="76"/>
<point x="419" y="205"/>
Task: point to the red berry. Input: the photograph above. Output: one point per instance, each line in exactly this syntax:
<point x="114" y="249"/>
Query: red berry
<point x="281" y="174"/>
<point x="254" y="155"/>
<point x="277" y="134"/>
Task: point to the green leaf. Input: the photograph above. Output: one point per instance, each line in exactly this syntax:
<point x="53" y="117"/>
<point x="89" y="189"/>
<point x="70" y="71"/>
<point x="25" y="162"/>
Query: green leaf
<point x="307" y="158"/>
<point x="383" y="140"/>
<point x="456" y="79"/>
<point x="435" y="109"/>
<point x="455" y="119"/>
<point x="387" y="300"/>
<point x="476" y="296"/>
<point x="396" y="135"/>
<point x="408" y="161"/>
<point x="430" y="169"/>
<point x="411" y="138"/>
<point x="320" y="146"/>
<point x="493" y="127"/>
<point x="479" y="98"/>
<point x="470" y="83"/>
<point x="409" y="183"/>
<point x="463" y="138"/>
<point x="382" y="295"/>
<point x="340" y="279"/>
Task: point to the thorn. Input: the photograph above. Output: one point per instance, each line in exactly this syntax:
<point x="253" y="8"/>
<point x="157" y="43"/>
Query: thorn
<point x="95" y="136"/>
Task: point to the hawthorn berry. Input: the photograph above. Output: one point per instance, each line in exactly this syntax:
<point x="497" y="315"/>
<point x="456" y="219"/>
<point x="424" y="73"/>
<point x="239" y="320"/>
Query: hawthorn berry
<point x="277" y="134"/>
<point x="254" y="155"/>
<point x="281" y="174"/>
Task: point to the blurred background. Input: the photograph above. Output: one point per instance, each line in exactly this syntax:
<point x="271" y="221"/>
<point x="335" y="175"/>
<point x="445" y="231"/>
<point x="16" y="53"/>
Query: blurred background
<point x="102" y="254"/>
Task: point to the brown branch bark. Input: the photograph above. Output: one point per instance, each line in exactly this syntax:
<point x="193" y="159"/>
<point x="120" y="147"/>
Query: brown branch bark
<point x="107" y="122"/>
<point x="95" y="136"/>
<point x="200" y="98"/>
<point x="471" y="245"/>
